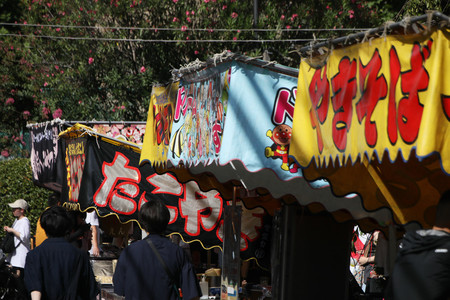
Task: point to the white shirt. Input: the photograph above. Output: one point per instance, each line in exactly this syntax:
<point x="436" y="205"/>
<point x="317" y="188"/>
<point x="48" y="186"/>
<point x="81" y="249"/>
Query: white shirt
<point x="17" y="258"/>
<point x="92" y="219"/>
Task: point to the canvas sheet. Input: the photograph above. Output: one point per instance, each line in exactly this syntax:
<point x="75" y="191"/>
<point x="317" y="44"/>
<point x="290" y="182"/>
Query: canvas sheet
<point x="239" y="112"/>
<point x="113" y="183"/>
<point x="387" y="95"/>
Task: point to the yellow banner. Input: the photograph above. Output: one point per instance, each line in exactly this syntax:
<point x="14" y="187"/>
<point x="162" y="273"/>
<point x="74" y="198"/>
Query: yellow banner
<point x="386" y="95"/>
<point x="159" y="124"/>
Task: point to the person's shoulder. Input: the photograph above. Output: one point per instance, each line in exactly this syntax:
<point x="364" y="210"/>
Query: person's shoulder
<point x="24" y="220"/>
<point x="136" y="246"/>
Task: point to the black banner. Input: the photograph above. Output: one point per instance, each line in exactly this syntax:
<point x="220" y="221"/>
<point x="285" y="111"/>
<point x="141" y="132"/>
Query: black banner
<point x="113" y="183"/>
<point x="46" y="156"/>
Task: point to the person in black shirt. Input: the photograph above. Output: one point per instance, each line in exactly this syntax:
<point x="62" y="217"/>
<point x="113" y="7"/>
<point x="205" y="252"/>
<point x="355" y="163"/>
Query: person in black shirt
<point x="422" y="268"/>
<point x="140" y="275"/>
<point x="56" y="269"/>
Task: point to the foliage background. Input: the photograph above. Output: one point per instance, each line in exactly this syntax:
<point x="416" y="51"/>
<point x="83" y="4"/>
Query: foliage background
<point x="97" y="59"/>
<point x="16" y="182"/>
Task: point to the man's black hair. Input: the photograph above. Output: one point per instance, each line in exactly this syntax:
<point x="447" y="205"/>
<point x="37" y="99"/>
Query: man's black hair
<point x="443" y="211"/>
<point x="154" y="216"/>
<point x="54" y="199"/>
<point x="56" y="222"/>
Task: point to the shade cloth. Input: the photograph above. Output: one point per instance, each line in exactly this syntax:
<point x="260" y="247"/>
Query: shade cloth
<point x="373" y="119"/>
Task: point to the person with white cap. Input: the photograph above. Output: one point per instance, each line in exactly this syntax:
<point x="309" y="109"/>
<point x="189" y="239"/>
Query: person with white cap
<point x="21" y="231"/>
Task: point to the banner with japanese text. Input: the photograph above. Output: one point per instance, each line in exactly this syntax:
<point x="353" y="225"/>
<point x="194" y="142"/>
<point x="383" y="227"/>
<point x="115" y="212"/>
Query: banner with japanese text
<point x="47" y="155"/>
<point x="159" y="123"/>
<point x="249" y="110"/>
<point x="74" y="161"/>
<point x="114" y="183"/>
<point x="387" y="95"/>
<point x="199" y="118"/>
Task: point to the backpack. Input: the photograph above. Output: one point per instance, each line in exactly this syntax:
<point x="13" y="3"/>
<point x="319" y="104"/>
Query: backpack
<point x="7" y="243"/>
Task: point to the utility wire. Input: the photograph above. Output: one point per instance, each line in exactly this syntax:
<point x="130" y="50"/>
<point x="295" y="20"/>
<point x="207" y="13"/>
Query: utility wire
<point x="160" y="40"/>
<point x="187" y="28"/>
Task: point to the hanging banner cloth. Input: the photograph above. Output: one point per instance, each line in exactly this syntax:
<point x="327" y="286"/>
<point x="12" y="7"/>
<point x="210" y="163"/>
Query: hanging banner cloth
<point x="159" y="122"/>
<point x="113" y="183"/>
<point x="374" y="119"/>
<point x="234" y="120"/>
<point x="46" y="157"/>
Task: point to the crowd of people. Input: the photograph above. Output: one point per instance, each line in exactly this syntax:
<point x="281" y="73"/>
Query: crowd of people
<point x="59" y="266"/>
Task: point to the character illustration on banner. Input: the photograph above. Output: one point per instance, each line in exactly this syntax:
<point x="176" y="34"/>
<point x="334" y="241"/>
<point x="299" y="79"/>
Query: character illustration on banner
<point x="281" y="137"/>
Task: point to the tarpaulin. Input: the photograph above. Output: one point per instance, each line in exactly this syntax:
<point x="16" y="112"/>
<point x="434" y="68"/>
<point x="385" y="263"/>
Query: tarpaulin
<point x="159" y="122"/>
<point x="114" y="183"/>
<point x="372" y="118"/>
<point x="46" y="157"/>
<point x="391" y="94"/>
<point x="233" y="120"/>
<point x="133" y="133"/>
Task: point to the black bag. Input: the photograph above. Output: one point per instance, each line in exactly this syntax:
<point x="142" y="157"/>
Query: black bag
<point x="7" y="243"/>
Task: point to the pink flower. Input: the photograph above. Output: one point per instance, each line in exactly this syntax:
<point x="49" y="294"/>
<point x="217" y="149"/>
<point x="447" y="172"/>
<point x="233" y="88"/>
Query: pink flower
<point x="58" y="29"/>
<point x="234" y="15"/>
<point x="45" y="83"/>
<point x="175" y="1"/>
<point x="45" y="112"/>
<point x="196" y="52"/>
<point x="206" y="1"/>
<point x="187" y="13"/>
<point x="192" y="12"/>
<point x="224" y="7"/>
<point x="294" y="16"/>
<point x="183" y="28"/>
<point x="91" y="60"/>
<point x="79" y="101"/>
<point x="56" y="67"/>
<point x="282" y="17"/>
<point x="175" y="19"/>
<point x="328" y="7"/>
<point x="81" y="9"/>
<point x="234" y="38"/>
<point x="5" y="153"/>
<point x="188" y="19"/>
<point x="288" y="27"/>
<point x="9" y="101"/>
<point x="57" y="113"/>
<point x="142" y="69"/>
<point x="122" y="107"/>
<point x="26" y="114"/>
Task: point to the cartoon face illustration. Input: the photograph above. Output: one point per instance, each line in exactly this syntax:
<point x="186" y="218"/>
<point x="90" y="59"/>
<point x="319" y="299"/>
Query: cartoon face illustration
<point x="282" y="134"/>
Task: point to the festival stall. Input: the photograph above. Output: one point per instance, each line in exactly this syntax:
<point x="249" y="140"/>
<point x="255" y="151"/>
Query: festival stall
<point x="103" y="173"/>
<point x="372" y="118"/>
<point x="231" y="117"/>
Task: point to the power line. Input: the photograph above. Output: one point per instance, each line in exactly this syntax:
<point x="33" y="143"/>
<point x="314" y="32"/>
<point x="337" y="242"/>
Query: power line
<point x="160" y="40"/>
<point x="187" y="28"/>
